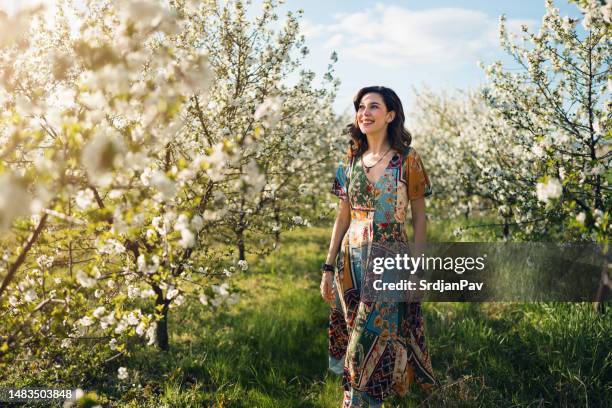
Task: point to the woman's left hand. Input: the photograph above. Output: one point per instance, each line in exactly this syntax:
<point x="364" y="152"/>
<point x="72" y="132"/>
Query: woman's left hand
<point x="327" y="288"/>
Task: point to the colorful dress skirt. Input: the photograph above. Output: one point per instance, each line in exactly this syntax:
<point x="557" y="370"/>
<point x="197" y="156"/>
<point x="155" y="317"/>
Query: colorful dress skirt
<point x="377" y="347"/>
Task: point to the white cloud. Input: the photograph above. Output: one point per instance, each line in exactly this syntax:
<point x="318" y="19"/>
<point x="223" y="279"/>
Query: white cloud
<point x="394" y="36"/>
<point x="334" y="41"/>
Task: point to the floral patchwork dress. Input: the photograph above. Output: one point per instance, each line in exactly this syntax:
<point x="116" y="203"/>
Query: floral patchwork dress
<point x="378" y="348"/>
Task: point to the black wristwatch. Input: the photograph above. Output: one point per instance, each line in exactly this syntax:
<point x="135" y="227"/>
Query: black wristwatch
<point x="327" y="268"/>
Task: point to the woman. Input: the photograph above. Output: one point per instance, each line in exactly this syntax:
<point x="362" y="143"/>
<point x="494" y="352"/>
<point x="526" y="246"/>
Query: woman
<point x="378" y="347"/>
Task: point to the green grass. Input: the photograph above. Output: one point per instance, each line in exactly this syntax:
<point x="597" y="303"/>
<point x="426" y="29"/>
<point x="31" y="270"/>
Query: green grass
<point x="521" y="354"/>
<point x="269" y="350"/>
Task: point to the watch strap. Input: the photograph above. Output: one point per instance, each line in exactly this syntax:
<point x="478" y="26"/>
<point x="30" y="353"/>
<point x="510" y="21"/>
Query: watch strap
<point x="327" y="268"/>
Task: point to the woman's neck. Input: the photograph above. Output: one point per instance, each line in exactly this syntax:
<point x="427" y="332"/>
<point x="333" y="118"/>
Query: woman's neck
<point x="378" y="144"/>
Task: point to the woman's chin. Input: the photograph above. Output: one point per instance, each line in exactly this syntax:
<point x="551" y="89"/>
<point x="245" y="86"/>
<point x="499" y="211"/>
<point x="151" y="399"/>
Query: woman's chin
<point x="366" y="129"/>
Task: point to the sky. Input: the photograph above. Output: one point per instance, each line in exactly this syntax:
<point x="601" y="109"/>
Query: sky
<point x="404" y="44"/>
<point x="409" y="44"/>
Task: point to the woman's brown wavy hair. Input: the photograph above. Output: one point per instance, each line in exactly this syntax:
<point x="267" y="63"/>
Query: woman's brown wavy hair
<point x="399" y="137"/>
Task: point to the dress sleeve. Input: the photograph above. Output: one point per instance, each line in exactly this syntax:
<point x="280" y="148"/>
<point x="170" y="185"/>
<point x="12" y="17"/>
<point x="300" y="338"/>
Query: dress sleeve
<point x="340" y="186"/>
<point x="418" y="181"/>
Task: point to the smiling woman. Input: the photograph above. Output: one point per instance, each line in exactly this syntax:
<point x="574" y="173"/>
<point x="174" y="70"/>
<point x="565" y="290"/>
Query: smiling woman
<point x="378" y="347"/>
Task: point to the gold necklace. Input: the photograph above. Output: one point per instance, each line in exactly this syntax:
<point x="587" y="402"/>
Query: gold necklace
<point x="367" y="168"/>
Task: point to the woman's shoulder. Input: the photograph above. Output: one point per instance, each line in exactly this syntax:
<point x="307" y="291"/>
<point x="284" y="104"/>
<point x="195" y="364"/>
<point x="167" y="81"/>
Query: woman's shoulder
<point x="412" y="156"/>
<point x="411" y="152"/>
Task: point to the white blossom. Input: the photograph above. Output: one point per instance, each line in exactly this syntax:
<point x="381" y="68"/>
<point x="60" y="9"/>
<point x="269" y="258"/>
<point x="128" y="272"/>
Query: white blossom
<point x="197" y="222"/>
<point x="598" y="170"/>
<point x="141" y="263"/>
<point x="121" y="326"/>
<point x="108" y="320"/>
<point x="84" y="280"/>
<point x="111" y="247"/>
<point x="84" y="199"/>
<point x="538" y="151"/>
<point x="221" y="290"/>
<point x="187" y="238"/>
<point x="30" y="295"/>
<point x="216" y="161"/>
<point x="150" y="234"/>
<point x="150" y="334"/>
<point x="161" y="225"/>
<point x="270" y="111"/>
<point x="179" y="300"/>
<point x="147" y="293"/>
<point x="164" y="184"/>
<point x="598" y="215"/>
<point x="122" y="373"/>
<point x="172" y="292"/>
<point x="146" y="176"/>
<point x="140" y="329"/>
<point x="100" y="310"/>
<point x="45" y="261"/>
<point x="548" y="190"/>
<point x="86" y="321"/>
<point x="93" y="101"/>
<point x="138" y="220"/>
<point x="132" y="319"/>
<point x="13" y="301"/>
<point x="133" y="292"/>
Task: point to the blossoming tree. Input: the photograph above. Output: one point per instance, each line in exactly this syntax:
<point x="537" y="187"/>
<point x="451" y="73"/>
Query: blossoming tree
<point x="535" y="144"/>
<point x="125" y="166"/>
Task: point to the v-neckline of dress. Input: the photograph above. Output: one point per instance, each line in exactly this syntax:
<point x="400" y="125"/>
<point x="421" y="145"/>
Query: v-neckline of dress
<point x="384" y="173"/>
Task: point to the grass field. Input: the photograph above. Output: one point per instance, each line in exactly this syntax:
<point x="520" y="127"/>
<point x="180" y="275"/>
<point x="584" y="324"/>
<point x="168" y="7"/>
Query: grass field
<point x="269" y="350"/>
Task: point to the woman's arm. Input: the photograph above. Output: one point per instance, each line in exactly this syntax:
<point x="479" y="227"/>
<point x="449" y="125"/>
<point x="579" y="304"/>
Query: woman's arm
<point x="343" y="220"/>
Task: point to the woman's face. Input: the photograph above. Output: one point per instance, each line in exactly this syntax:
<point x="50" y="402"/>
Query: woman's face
<point x="372" y="115"/>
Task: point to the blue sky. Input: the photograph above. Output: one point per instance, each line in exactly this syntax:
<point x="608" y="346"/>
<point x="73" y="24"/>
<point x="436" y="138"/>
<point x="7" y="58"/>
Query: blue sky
<point x="406" y="44"/>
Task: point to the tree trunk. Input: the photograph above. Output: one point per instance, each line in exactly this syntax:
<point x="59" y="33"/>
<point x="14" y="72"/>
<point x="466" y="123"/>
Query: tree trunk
<point x="604" y="292"/>
<point x="161" y="331"/>
<point x="506" y="229"/>
<point x="241" y="246"/>
<point x="277" y="221"/>
<point x="240" y="231"/>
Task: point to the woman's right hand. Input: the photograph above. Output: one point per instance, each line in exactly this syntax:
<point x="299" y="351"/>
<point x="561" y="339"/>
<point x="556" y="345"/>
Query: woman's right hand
<point x="327" y="289"/>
